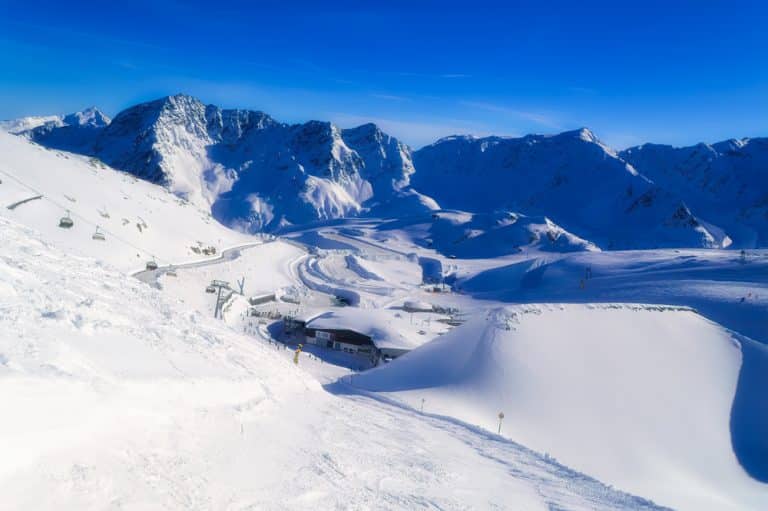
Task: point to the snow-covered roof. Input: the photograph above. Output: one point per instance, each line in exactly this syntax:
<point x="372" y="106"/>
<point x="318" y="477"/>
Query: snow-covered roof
<point x="386" y="330"/>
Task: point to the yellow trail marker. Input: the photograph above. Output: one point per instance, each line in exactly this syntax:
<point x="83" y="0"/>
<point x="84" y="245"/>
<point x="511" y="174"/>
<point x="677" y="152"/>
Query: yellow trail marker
<point x="296" y="355"/>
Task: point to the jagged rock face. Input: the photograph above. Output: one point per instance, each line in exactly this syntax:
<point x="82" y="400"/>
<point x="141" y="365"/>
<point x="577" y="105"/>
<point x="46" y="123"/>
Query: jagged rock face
<point x="254" y="172"/>
<point x="728" y="180"/>
<point x="571" y="178"/>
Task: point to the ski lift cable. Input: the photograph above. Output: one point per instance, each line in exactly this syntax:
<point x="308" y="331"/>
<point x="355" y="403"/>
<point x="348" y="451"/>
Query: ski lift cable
<point x="82" y="218"/>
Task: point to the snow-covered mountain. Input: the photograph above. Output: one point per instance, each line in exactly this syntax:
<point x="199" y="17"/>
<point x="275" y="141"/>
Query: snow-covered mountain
<point x="91" y="117"/>
<point x="728" y="180"/>
<point x="23" y="124"/>
<point x="254" y="172"/>
<point x="73" y="132"/>
<point x="209" y="414"/>
<point x="481" y="235"/>
<point x="572" y="178"/>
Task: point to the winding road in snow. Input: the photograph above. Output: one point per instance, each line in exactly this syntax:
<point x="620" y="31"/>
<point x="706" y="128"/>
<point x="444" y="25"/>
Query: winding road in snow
<point x="230" y="254"/>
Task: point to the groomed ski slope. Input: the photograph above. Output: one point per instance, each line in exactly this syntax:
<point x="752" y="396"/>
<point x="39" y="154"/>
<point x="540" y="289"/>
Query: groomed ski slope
<point x="139" y="220"/>
<point x="639" y="396"/>
<point x="719" y="284"/>
<point x="116" y="398"/>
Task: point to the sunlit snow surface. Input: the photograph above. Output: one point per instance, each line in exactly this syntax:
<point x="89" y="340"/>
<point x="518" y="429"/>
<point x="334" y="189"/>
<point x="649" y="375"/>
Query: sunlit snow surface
<point x="638" y="395"/>
<point x="118" y="394"/>
<point x="115" y="398"/>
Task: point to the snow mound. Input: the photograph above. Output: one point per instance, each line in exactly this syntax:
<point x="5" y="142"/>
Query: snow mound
<point x="639" y="395"/>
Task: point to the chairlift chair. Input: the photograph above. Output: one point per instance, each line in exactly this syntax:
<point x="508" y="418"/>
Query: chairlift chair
<point x="171" y="272"/>
<point x="66" y="221"/>
<point x="210" y="289"/>
<point x="98" y="235"/>
<point x="151" y="265"/>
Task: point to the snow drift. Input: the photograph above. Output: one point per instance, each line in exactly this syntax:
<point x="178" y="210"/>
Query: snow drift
<point x="639" y="395"/>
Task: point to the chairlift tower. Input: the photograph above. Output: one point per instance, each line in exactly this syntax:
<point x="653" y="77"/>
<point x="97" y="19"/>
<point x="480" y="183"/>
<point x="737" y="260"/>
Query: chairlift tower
<point x="219" y="285"/>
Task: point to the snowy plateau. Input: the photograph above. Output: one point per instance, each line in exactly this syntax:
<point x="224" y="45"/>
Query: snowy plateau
<point x="205" y="308"/>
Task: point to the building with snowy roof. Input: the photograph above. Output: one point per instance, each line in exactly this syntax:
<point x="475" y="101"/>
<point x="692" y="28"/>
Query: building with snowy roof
<point x="372" y="333"/>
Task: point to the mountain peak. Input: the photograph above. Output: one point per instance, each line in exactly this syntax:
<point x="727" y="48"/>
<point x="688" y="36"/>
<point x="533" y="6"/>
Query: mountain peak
<point x="182" y="102"/>
<point x="180" y="98"/>
<point x="455" y="138"/>
<point x="91" y="117"/>
<point x="587" y="134"/>
<point x="367" y="129"/>
<point x="583" y="133"/>
<point x="366" y="132"/>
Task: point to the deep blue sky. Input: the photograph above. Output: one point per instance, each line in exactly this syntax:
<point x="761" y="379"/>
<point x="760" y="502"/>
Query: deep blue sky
<point x="672" y="72"/>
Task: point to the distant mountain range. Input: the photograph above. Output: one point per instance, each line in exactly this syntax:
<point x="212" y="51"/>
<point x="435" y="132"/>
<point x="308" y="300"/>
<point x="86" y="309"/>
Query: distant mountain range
<point x="256" y="173"/>
<point x="727" y="181"/>
<point x="572" y="178"/>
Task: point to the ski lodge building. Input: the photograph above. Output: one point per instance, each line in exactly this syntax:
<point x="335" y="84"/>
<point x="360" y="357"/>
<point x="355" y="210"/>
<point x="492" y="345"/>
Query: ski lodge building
<point x="367" y="333"/>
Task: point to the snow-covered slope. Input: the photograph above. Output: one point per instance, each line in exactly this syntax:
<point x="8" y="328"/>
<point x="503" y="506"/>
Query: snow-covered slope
<point x="255" y="172"/>
<point x="480" y="235"/>
<point x="640" y="395"/>
<point x="727" y="180"/>
<point x="115" y="398"/>
<point x="22" y="124"/>
<point x="139" y="220"/>
<point x="718" y="284"/>
<point x="572" y="178"/>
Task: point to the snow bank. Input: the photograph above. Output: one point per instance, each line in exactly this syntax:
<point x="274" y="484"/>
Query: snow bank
<point x="639" y="395"/>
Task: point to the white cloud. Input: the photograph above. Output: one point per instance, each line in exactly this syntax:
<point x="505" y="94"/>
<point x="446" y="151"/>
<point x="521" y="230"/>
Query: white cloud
<point x="536" y="117"/>
<point x="391" y="97"/>
<point x="447" y="76"/>
<point x="415" y="133"/>
<point x="620" y="141"/>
